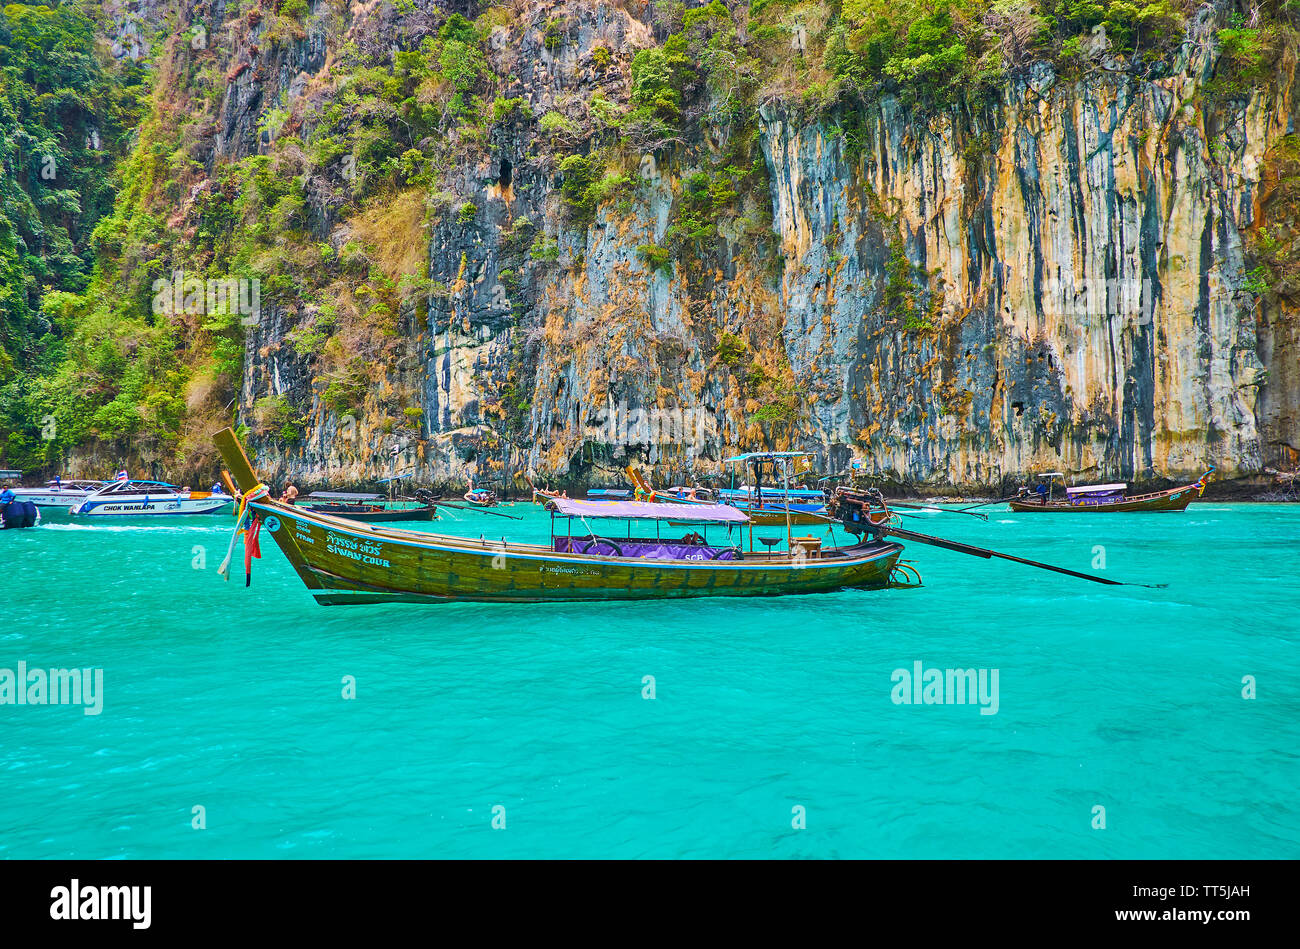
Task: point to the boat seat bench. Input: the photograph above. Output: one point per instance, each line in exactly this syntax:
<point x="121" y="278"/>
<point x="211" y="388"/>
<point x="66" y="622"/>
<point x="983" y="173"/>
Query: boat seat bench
<point x="646" y="548"/>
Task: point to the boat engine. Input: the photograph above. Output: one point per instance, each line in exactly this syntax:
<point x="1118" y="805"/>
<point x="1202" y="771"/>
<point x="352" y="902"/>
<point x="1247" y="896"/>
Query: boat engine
<point x="861" y="512"/>
<point x="19" y="514"/>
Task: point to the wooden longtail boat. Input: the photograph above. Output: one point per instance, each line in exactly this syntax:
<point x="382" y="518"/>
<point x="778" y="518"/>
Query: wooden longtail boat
<point x="542" y="495"/>
<point x="343" y="562"/>
<point x="481" y="497"/>
<point x="1108" y="497"/>
<point x="366" y="508"/>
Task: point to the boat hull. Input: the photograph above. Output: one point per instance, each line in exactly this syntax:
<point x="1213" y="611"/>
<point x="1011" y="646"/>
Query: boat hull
<point x="127" y="507"/>
<point x="346" y="563"/>
<point x="1176" y="499"/>
<point x="57" y="500"/>
<point x="382" y="517"/>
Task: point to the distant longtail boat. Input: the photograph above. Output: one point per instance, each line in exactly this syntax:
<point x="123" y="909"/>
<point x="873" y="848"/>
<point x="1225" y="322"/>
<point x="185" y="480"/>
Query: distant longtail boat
<point x="1106" y="497"/>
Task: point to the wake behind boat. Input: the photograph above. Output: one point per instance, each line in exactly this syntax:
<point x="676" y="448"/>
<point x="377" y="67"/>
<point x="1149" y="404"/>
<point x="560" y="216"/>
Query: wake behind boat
<point x="130" y="497"/>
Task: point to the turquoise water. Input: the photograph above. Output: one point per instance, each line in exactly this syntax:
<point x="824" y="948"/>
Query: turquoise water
<point x="1125" y="698"/>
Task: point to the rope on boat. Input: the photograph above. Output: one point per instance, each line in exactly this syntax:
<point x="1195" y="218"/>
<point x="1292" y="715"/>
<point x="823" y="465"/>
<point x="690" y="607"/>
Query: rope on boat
<point x="261" y="491"/>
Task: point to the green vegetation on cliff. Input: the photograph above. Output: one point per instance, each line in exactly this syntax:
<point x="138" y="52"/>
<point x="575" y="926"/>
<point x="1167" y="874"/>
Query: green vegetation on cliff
<point x="66" y="113"/>
<point x="326" y="198"/>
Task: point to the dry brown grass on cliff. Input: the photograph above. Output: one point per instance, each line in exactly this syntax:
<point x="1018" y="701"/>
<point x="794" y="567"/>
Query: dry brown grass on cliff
<point x="197" y="457"/>
<point x="787" y="75"/>
<point x="206" y="412"/>
<point x="206" y="390"/>
<point x="393" y="232"/>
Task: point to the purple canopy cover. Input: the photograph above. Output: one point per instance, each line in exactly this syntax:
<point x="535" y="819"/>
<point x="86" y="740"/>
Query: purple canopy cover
<point x="645" y="510"/>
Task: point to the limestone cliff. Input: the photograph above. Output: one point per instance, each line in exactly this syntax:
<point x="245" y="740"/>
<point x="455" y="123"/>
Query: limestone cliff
<point x="1059" y="273"/>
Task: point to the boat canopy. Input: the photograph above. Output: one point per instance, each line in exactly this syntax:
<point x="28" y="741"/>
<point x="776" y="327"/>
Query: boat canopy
<point x="1097" y="489"/>
<point x="746" y="491"/>
<point x="134" y="486"/>
<point x="342" y="496"/>
<point x="648" y="511"/>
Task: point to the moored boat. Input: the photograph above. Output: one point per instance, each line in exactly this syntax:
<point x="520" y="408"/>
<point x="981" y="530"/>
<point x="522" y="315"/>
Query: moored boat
<point x="1104" y="497"/>
<point x="481" y="497"/>
<point x="542" y="495"/>
<point x="58" y="493"/>
<point x="343" y="562"/>
<point x="366" y="508"/>
<point x="131" y="498"/>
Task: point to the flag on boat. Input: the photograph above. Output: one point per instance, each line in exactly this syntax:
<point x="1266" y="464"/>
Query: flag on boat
<point x="252" y="548"/>
<point x="121" y="476"/>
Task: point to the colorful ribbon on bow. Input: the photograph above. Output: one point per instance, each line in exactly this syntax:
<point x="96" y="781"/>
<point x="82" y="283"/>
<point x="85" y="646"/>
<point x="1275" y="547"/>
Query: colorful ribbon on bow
<point x="251" y="547"/>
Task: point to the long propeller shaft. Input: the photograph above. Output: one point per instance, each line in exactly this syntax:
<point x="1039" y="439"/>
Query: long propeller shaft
<point x="939" y="510"/>
<point x="479" y="510"/>
<point x="987" y="554"/>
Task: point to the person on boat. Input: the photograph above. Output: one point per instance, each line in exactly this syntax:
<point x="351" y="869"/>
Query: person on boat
<point x="290" y="495"/>
<point x="6" y="494"/>
<point x="1041" y="491"/>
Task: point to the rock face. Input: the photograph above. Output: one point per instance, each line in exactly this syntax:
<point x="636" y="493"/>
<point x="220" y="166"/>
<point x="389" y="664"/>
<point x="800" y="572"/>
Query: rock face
<point x="1057" y="280"/>
<point x="1088" y="268"/>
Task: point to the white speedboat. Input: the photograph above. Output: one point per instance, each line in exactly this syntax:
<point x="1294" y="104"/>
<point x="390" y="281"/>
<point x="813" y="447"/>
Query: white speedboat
<point x="59" y="493"/>
<point x="149" y="497"/>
